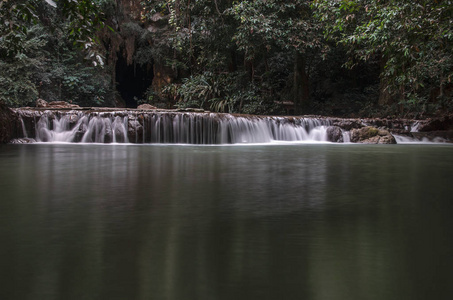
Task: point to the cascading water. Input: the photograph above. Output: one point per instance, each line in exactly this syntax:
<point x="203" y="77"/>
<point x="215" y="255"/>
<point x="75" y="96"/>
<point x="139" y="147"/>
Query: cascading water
<point x="172" y="127"/>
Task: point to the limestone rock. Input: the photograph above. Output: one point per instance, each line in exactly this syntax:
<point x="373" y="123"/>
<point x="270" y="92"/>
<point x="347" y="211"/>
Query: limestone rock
<point x="347" y="124"/>
<point x="372" y="135"/>
<point x="55" y="104"/>
<point x="146" y="106"/>
<point x="189" y="109"/>
<point x="41" y="103"/>
<point x="134" y="130"/>
<point x="437" y="124"/>
<point x="334" y="134"/>
<point x="61" y="104"/>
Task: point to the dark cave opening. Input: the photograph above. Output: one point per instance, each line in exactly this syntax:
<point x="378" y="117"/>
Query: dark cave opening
<point x="132" y="81"/>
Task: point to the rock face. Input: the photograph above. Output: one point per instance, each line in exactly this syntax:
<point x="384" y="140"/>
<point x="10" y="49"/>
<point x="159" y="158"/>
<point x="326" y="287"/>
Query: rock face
<point x="437" y="124"/>
<point x="7" y="124"/>
<point x="334" y="134"/>
<point x="54" y="104"/>
<point x="346" y="124"/>
<point x="372" y="135"/>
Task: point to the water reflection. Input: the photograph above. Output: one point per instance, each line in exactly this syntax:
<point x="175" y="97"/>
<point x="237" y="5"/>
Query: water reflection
<point x="172" y="222"/>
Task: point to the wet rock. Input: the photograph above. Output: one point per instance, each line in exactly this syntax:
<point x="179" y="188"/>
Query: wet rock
<point x="395" y="126"/>
<point x="80" y="133"/>
<point x="372" y="135"/>
<point x="442" y="136"/>
<point x="134" y="131"/>
<point x="146" y="106"/>
<point x="334" y="134"/>
<point x="41" y="103"/>
<point x="23" y="141"/>
<point x="347" y="124"/>
<point x="190" y="110"/>
<point x="437" y="124"/>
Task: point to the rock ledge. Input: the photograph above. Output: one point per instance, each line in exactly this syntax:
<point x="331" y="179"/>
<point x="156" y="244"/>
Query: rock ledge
<point x="372" y="135"/>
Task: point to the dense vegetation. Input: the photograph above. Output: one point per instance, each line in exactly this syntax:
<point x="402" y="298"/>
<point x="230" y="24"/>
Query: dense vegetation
<point x="333" y="57"/>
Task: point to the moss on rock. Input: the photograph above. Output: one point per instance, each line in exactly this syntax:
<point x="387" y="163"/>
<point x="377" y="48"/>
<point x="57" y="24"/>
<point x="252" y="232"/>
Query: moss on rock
<point x="372" y="135"/>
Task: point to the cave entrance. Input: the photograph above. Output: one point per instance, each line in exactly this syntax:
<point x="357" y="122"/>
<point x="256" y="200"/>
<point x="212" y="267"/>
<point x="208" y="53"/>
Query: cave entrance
<point x="132" y="81"/>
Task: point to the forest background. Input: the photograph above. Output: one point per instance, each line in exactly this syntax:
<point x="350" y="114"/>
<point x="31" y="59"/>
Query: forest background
<point x="364" y="58"/>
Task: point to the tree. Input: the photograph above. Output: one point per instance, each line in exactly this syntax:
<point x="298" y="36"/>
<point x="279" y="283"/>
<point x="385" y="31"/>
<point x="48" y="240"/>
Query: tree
<point x="412" y="39"/>
<point x="82" y="18"/>
<point x="261" y="41"/>
<point x="40" y="56"/>
<point x="287" y="26"/>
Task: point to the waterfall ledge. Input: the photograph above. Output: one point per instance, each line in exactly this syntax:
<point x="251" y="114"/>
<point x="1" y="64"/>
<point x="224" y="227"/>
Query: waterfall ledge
<point x="106" y="125"/>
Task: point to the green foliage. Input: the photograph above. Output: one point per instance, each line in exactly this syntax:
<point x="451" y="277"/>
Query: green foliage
<point x="17" y="86"/>
<point x="81" y="18"/>
<point x="266" y="24"/>
<point x="196" y="91"/>
<point x="236" y="56"/>
<point x="224" y="92"/>
<point x="48" y="66"/>
<point x="14" y="16"/>
<point x="413" y="38"/>
<point x="253" y="38"/>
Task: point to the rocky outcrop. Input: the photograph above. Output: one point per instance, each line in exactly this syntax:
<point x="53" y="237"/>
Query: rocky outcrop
<point x="146" y="106"/>
<point x="372" y="135"/>
<point x="40" y="103"/>
<point x="334" y="134"/>
<point x="189" y="109"/>
<point x="8" y="122"/>
<point x="135" y="129"/>
<point x="346" y="124"/>
<point x="444" y="123"/>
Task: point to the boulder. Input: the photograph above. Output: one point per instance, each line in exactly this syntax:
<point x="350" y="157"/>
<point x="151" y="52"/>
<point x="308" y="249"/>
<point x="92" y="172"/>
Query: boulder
<point x="372" y="135"/>
<point x="146" y="106"/>
<point x="334" y="134"/>
<point x="41" y="103"/>
<point x="134" y="131"/>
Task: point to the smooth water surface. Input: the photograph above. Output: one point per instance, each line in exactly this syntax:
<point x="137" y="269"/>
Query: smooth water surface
<point x="226" y="222"/>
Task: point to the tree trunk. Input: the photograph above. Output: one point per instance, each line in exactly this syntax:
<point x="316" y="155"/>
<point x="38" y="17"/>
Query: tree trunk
<point x="301" y="88"/>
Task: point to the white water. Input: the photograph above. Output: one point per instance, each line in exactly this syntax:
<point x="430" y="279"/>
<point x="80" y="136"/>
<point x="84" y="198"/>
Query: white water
<point x="400" y="139"/>
<point x="24" y="130"/>
<point x="180" y="128"/>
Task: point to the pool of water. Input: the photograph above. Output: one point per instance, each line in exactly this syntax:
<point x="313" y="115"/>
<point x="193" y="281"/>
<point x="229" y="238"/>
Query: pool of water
<point x="311" y="221"/>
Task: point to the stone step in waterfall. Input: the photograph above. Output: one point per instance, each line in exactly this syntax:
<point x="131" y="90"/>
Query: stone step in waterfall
<point x="107" y="125"/>
<point x="169" y="127"/>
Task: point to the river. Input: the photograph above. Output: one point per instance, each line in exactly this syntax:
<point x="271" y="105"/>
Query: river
<point x="283" y="221"/>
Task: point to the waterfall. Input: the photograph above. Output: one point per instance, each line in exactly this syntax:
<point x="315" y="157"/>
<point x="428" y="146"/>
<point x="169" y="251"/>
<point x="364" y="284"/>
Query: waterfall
<point x="24" y="129"/>
<point x="174" y="128"/>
